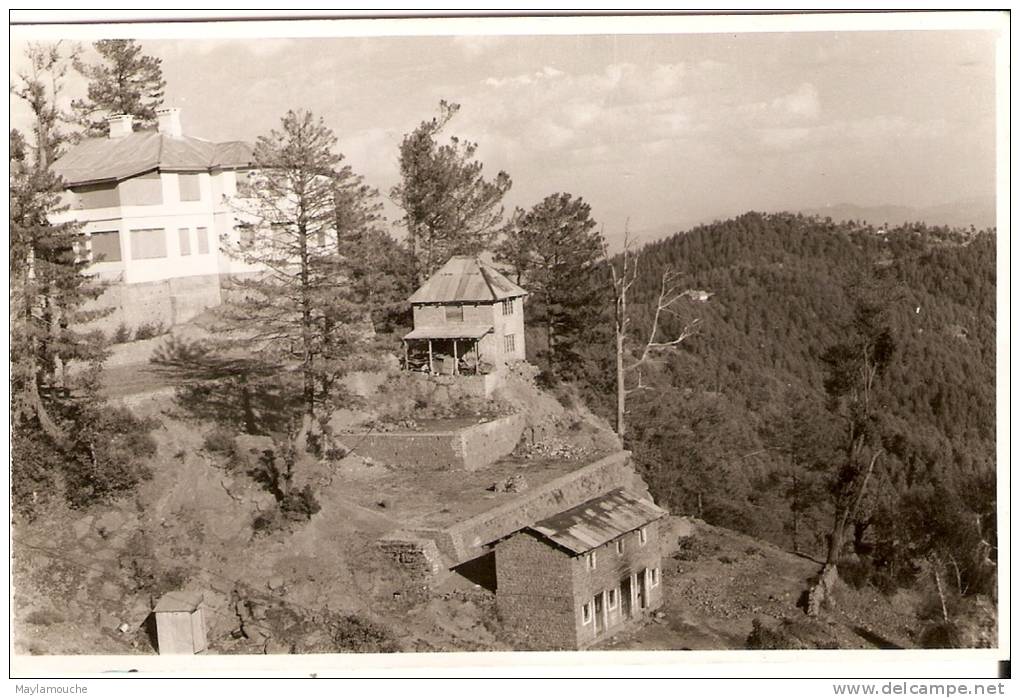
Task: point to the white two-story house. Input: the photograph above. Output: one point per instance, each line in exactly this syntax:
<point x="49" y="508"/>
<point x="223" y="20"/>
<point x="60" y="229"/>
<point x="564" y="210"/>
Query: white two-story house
<point x="156" y="211"/>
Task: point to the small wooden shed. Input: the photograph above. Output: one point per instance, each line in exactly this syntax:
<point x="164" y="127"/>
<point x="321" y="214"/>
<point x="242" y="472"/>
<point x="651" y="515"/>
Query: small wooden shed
<point x="180" y="623"/>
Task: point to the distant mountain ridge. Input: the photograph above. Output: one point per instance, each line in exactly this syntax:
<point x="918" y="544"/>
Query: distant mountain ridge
<point x="976" y="211"/>
<point x="979" y="212"/>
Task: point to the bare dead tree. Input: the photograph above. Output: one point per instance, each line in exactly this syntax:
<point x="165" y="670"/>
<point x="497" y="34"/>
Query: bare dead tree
<point x="623" y="280"/>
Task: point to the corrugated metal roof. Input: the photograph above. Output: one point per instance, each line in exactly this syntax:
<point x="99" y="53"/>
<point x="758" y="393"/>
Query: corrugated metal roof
<point x="104" y="159"/>
<point x="598" y="521"/>
<point x="466" y="279"/>
<point x="452" y="331"/>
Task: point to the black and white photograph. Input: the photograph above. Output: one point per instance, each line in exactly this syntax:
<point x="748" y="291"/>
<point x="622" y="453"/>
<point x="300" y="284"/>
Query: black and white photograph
<point x="671" y="336"/>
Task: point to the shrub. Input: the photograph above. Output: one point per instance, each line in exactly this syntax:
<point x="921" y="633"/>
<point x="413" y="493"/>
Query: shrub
<point x="219" y="440"/>
<point x="121" y="335"/>
<point x="267" y="522"/>
<point x="148" y="330"/>
<point x="300" y="505"/>
<point x="764" y="638"/>
<point x="942" y="636"/>
<point x="352" y="633"/>
<point x="44" y="617"/>
<point x="855" y="572"/>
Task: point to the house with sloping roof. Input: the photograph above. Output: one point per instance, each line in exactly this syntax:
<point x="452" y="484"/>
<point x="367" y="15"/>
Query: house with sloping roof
<point x="155" y="207"/>
<point x="580" y="576"/>
<point x="468" y="317"/>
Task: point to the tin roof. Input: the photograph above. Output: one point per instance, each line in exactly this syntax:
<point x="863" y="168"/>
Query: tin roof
<point x="105" y="159"/>
<point x="179" y="602"/>
<point x="452" y="331"/>
<point x="598" y="521"/>
<point x="466" y="279"/>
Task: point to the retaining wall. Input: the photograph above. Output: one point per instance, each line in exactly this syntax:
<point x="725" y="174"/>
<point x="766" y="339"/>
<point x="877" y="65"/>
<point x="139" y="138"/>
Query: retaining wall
<point x="470" y="448"/>
<point x="471" y="537"/>
<point x="170" y="302"/>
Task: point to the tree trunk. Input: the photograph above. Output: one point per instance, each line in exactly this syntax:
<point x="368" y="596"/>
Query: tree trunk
<point x="821" y="591"/>
<point x="795" y="511"/>
<point x="621" y="389"/>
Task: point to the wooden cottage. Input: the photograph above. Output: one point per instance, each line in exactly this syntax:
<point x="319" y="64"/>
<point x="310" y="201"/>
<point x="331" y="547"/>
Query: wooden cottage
<point x="468" y="317"/>
<point x="575" y="578"/>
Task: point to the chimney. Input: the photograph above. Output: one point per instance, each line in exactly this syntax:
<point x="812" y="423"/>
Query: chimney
<point x="168" y="122"/>
<point x="121" y="125"/>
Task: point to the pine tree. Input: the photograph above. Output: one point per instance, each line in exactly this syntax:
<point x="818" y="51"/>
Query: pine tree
<point x="374" y="264"/>
<point x="298" y="311"/>
<point x="854" y="367"/>
<point x="449" y="207"/>
<point x="556" y="252"/>
<point x="61" y="429"/>
<point x="125" y="81"/>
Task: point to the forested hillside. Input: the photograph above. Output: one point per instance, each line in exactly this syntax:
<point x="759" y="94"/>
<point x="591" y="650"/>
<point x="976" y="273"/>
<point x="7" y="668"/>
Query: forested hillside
<point x="737" y="425"/>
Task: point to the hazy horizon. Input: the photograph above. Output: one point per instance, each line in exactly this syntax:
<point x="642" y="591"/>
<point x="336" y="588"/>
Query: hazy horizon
<point x="664" y="130"/>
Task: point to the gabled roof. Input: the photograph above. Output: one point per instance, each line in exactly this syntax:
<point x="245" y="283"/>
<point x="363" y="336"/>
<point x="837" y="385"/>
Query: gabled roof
<point x="466" y="280"/>
<point x="113" y="159"/>
<point x="598" y="521"/>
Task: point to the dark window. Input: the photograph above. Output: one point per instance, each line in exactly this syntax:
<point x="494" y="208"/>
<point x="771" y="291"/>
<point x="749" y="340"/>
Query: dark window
<point x="106" y="246"/>
<point x="508" y="306"/>
<point x="509" y="344"/>
<point x="455" y="313"/>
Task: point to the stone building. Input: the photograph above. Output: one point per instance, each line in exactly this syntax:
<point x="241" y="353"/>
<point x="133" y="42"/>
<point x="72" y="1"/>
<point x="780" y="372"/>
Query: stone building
<point x="580" y="576"/>
<point x="468" y="317"/>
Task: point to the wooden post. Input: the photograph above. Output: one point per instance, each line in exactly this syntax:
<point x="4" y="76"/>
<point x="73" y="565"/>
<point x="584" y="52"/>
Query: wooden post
<point x="407" y="366"/>
<point x="478" y="357"/>
<point x="430" y="356"/>
<point x="456" y="362"/>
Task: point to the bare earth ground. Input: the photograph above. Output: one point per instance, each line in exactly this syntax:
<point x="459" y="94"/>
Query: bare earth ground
<point x="84" y="581"/>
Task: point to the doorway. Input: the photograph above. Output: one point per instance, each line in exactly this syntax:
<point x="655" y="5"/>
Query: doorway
<point x="600" y="613"/>
<point x="627" y="597"/>
<point x="642" y="589"/>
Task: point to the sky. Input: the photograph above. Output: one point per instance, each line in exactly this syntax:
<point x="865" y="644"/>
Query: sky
<point x="663" y="131"/>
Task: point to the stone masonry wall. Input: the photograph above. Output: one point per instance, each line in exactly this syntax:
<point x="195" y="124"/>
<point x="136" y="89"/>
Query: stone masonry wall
<point x="470" y="448"/>
<point x="170" y="302"/>
<point x="484" y="444"/>
<point x="534" y="593"/>
<point x="468" y="539"/>
<point x="611" y="567"/>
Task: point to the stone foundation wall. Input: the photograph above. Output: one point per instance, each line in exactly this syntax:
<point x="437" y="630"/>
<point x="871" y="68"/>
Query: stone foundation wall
<point x="418" y="556"/>
<point x="170" y="302"/>
<point x="534" y="593"/>
<point x="470" y="448"/>
<point x="484" y="444"/>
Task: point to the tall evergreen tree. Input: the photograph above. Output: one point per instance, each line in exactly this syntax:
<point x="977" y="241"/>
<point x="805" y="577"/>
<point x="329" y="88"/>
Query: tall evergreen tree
<point x="556" y="252"/>
<point x="854" y="366"/>
<point x="449" y="207"/>
<point x="125" y="81"/>
<point x="298" y="310"/>
<point x="375" y="266"/>
<point x="61" y="432"/>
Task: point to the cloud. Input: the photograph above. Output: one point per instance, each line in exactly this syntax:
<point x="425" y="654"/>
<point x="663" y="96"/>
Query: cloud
<point x="546" y="73"/>
<point x="801" y="105"/>
<point x="855" y="134"/>
<point x="475" y="45"/>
